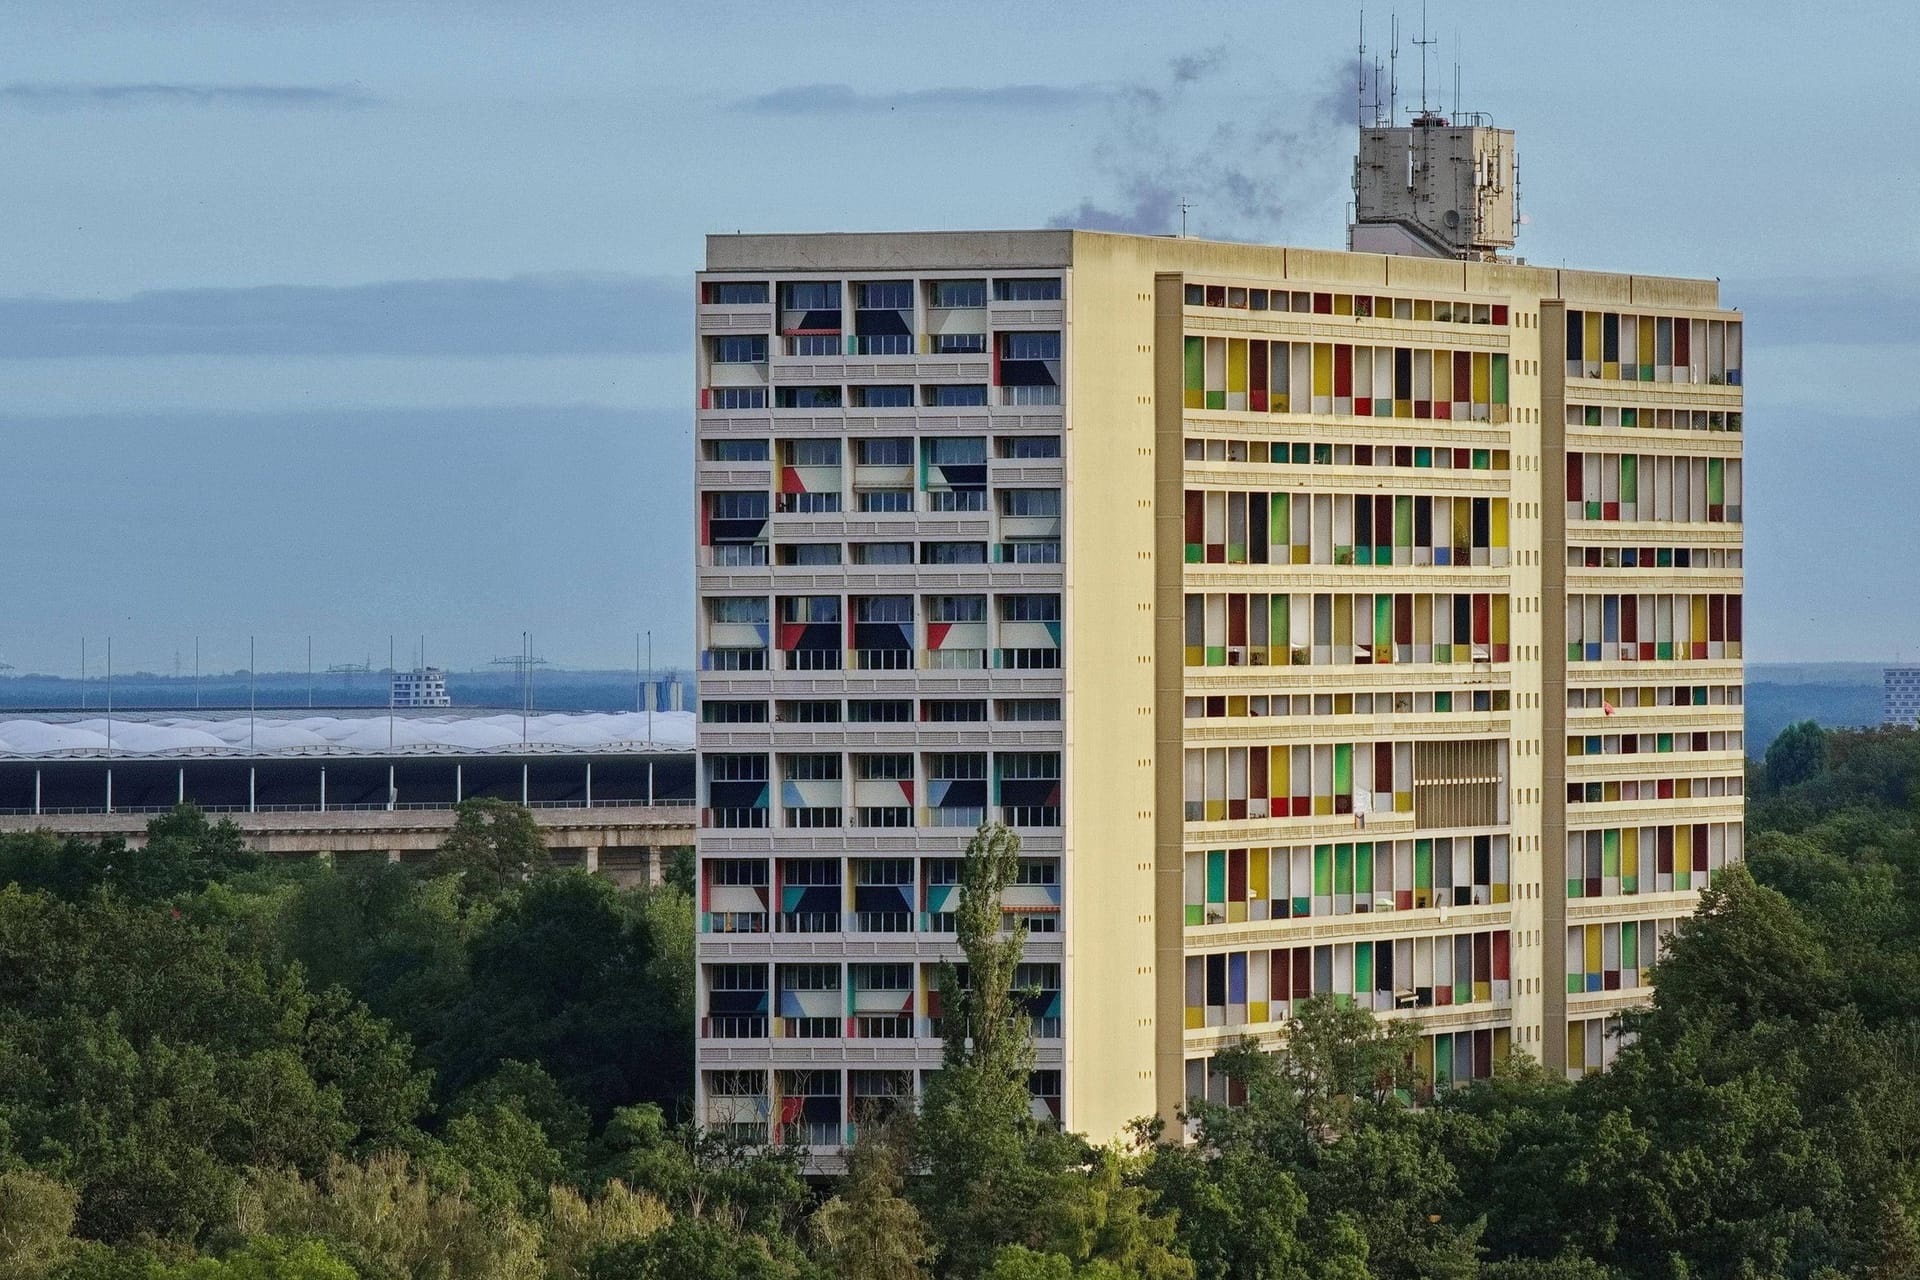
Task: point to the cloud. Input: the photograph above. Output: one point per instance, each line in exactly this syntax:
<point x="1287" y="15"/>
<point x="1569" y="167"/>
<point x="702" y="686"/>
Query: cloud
<point x="68" y="97"/>
<point x="842" y="99"/>
<point x="522" y="315"/>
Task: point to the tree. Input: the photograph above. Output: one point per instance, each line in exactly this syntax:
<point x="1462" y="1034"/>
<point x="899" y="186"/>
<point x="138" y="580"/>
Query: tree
<point x="36" y="1224"/>
<point x="265" y="1258"/>
<point x="184" y="853"/>
<point x="869" y="1230"/>
<point x="578" y="1228"/>
<point x="696" y="1249"/>
<point x="493" y="845"/>
<point x="1796" y="755"/>
<point x="389" y="1223"/>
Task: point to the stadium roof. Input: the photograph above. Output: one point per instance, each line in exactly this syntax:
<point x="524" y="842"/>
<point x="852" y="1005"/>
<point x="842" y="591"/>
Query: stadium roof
<point x="152" y="735"/>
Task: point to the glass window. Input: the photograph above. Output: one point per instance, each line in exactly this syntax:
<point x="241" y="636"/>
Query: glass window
<point x="736" y="292"/>
<point x="810" y="295"/>
<point x="740" y="349"/>
<point x="960" y="395"/>
<point x="733" y="711"/>
<point x="956" y="608"/>
<point x="739" y="397"/>
<point x="888" y="295"/>
<point x="960" y="344"/>
<point x="953" y="710"/>
<point x="811" y="452"/>
<point x="890" y="501"/>
<point x="880" y="710"/>
<point x="884" y="451"/>
<point x="960" y="293"/>
<point x="1028" y="708"/>
<point x="883" y="553"/>
<point x="814" y="344"/>
<point x="810" y="553"/>
<point x="1030" y="346"/>
<point x="736" y="450"/>
<point x="1029" y="446"/>
<point x="1042" y="289"/>
<point x="808" y="711"/>
<point x="953" y="553"/>
<point x="891" y="397"/>
<point x="1030" y="608"/>
<point x="950" y="451"/>
<point x="1029" y="502"/>
<point x="807" y="397"/>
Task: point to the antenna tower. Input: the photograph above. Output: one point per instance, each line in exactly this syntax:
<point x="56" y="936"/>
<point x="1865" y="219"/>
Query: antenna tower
<point x="1423" y="43"/>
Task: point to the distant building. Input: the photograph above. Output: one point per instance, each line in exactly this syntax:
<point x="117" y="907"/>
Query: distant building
<point x="1902" y="695"/>
<point x="421" y="687"/>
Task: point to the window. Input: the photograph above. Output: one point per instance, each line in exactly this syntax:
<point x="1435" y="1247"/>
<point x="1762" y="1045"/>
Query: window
<point x="887" y="397"/>
<point x="889" y="295"/>
<point x="1030" y="608"/>
<point x="956" y="608"/>
<point x="953" y="553"/>
<point x="951" y="451"/>
<point x="953" y="710"/>
<point x="956" y="395"/>
<point x="1029" y="446"/>
<point x="738" y="609"/>
<point x="1032" y="393"/>
<point x="960" y="344"/>
<point x="740" y="349"/>
<point x="739" y="397"/>
<point x="814" y="344"/>
<point x="737" y="451"/>
<point x="886" y="500"/>
<point x="1030" y="502"/>
<point x="732" y="711"/>
<point x="808" y="711"/>
<point x="736" y="293"/>
<point x="883" y="553"/>
<point x="963" y="294"/>
<point x="1027" y="709"/>
<point x="809" y="553"/>
<point x="879" y="710"/>
<point x="806" y="397"/>
<point x="1042" y="289"/>
<point x="810" y="295"/>
<point x="1030" y="551"/>
<point x="1030" y="346"/>
<point x="885" y="451"/>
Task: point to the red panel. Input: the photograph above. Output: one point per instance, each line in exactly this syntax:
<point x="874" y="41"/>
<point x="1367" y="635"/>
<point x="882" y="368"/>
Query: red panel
<point x="1443" y="410"/>
<point x="1236" y="875"/>
<point x="1196" y="517"/>
<point x="1502" y="956"/>
<point x="1482" y="625"/>
<point x="1342" y="369"/>
<point x="1482" y="957"/>
<point x="1402" y="623"/>
<point x="1279" y="981"/>
<point x="1733" y="617"/>
<point x="1236" y="619"/>
<point x="1423" y="408"/>
<point x="1682" y="341"/>
<point x="1462" y="377"/>
<point x="1257" y="773"/>
<point x="1716" y="617"/>
<point x="1699" y="847"/>
<point x="1629" y="619"/>
<point x="1303" y="973"/>
<point x="1257" y="369"/>
<point x="1499" y="313"/>
<point x="1323" y="304"/>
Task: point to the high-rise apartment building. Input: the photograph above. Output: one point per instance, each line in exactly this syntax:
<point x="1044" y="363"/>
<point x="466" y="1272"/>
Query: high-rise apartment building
<point x="1325" y="622"/>
<point x="1901" y="690"/>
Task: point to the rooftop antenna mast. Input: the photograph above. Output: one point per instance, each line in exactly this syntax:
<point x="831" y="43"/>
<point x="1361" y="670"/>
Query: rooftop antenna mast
<point x="1393" y="75"/>
<point x="1456" y="75"/>
<point x="1423" y="43"/>
<point x="1360" y="76"/>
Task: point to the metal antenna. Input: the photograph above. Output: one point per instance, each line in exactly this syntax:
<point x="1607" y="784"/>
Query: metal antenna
<point x="1456" y="75"/>
<point x="1422" y="43"/>
<point x="1360" y="76"/>
<point x="1184" y="206"/>
<point x="1393" y="75"/>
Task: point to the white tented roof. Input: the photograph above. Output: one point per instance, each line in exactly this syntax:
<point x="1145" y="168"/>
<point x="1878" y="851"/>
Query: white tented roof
<point x="371" y="734"/>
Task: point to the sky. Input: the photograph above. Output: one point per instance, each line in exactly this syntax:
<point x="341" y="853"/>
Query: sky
<point x="350" y="319"/>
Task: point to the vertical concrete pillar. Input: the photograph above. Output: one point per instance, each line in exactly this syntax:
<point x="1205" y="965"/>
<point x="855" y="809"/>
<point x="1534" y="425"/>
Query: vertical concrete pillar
<point x="593" y="858"/>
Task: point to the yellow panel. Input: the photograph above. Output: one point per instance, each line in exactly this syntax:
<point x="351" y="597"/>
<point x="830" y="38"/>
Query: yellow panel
<point x="1500" y="628"/>
<point x="1196" y="1018"/>
<point x="1482" y="377"/>
<point x="1594" y="961"/>
<point x="1443" y="376"/>
<point x="1322" y="369"/>
<point x="1630" y="852"/>
<point x="1257" y="1011"/>
<point x="1257" y="874"/>
<point x="1646" y="339"/>
<point x="1236" y="364"/>
<point x="1499" y="509"/>
<point x="1592" y="335"/>
<point x="1699" y="619"/>
<point x="1576" y="1047"/>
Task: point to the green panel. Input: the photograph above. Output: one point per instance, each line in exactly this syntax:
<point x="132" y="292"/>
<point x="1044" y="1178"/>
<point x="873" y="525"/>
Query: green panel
<point x="1279" y="522"/>
<point x="1323" y="870"/>
<point x="1663" y="742"/>
<point x="1423" y="864"/>
<point x="1363" y="967"/>
<point x="1499" y="378"/>
<point x="1302" y="907"/>
<point x="1300" y="453"/>
<point x="1362" y="869"/>
<point x="1216" y="875"/>
<point x="1443" y="1059"/>
<point x="1343" y="868"/>
<point x="1629" y="477"/>
<point x="1216" y="655"/>
<point x="1483" y="459"/>
<point x="1629" y="944"/>
<point x="1576" y="887"/>
<point x="1403" y="521"/>
<point x="1195" y="553"/>
<point x="1631" y="417"/>
<point x="1716" y="481"/>
<point x="1196" y="915"/>
<point x="1343" y="769"/>
<point x="1422" y="457"/>
<point x="1576" y="983"/>
<point x="1443" y="702"/>
<point x="1383" y="619"/>
<point x="1610" y="852"/>
<point x="1196" y="364"/>
<point x="1216" y="399"/>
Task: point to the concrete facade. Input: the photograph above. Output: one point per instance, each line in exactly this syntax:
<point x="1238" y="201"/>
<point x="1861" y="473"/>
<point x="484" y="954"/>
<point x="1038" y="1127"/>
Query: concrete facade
<point x="1394" y="630"/>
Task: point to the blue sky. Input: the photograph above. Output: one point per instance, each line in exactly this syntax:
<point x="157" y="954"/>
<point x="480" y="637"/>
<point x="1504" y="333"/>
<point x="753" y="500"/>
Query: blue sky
<point x="368" y="317"/>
